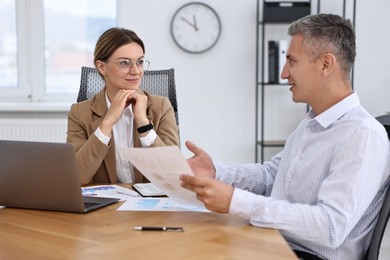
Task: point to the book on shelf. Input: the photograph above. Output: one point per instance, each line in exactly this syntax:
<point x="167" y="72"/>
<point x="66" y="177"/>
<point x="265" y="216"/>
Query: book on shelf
<point x="273" y="63"/>
<point x="282" y="59"/>
<point x="277" y="51"/>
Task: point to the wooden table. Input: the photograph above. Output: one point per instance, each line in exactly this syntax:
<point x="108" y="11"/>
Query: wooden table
<point x="108" y="234"/>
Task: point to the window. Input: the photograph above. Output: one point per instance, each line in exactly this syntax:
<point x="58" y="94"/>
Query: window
<point x="43" y="55"/>
<point x="8" y="43"/>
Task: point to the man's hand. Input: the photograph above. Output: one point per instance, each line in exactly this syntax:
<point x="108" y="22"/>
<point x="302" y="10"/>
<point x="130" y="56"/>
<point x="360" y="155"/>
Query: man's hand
<point x="201" y="163"/>
<point x="216" y="195"/>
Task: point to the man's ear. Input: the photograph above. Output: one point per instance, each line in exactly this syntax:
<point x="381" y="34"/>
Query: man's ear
<point x="328" y="63"/>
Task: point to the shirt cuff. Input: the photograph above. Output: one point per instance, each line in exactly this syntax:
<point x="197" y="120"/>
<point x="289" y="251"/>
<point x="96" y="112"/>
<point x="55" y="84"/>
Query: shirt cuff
<point x="102" y="137"/>
<point x="218" y="170"/>
<point x="148" y="140"/>
<point x="241" y="204"/>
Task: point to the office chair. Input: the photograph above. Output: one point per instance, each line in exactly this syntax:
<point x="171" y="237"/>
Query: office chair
<point x="380" y="227"/>
<point x="157" y="82"/>
<point x="385" y="121"/>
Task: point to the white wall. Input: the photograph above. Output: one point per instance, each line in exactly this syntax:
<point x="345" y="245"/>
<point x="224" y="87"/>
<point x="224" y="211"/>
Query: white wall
<point x="216" y="90"/>
<point x="372" y="63"/>
<point x="373" y="41"/>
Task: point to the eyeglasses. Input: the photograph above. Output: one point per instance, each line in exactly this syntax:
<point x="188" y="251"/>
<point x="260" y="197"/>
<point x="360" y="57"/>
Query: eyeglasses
<point x="126" y="65"/>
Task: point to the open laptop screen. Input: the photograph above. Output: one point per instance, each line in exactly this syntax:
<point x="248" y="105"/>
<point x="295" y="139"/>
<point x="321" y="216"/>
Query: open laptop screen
<point x="39" y="175"/>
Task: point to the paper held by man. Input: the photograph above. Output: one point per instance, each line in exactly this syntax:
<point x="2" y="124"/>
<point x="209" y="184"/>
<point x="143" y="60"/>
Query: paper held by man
<point x="163" y="166"/>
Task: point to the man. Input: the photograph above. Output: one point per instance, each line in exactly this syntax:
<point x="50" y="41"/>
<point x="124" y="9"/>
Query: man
<point x="325" y="189"/>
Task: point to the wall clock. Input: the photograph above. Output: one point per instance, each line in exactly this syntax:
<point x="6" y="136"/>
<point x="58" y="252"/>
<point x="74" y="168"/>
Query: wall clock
<point x="195" y="27"/>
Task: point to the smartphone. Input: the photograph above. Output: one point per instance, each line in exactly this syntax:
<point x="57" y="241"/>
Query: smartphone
<point x="148" y="190"/>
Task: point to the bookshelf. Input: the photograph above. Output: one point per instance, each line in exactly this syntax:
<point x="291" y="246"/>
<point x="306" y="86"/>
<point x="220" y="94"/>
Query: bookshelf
<point x="276" y="114"/>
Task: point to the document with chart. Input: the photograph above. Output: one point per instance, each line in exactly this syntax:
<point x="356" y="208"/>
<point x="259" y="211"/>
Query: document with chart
<point x="163" y="166"/>
<point x="158" y="204"/>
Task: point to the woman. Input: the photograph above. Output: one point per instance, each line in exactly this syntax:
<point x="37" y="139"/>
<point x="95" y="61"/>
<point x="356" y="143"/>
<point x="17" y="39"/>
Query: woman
<point x="121" y="115"/>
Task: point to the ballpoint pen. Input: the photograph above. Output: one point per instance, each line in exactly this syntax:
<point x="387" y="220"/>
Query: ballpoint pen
<point x="177" y="229"/>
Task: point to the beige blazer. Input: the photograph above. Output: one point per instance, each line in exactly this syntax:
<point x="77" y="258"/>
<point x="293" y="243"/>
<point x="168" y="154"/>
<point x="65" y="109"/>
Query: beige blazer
<point x="96" y="161"/>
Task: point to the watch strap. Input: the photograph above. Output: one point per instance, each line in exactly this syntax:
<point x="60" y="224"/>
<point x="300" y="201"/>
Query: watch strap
<point x="145" y="128"/>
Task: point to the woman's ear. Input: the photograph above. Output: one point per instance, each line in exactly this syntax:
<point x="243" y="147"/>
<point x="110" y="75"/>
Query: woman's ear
<point x="100" y="67"/>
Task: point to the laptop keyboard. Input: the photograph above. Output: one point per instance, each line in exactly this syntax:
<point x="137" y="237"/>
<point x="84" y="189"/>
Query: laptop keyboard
<point x="88" y="205"/>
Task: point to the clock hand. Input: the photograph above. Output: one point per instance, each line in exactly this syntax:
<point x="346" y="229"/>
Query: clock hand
<point x="195" y="25"/>
<point x="188" y="22"/>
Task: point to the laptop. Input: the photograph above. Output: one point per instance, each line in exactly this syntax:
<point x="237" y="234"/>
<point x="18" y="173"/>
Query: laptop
<point x="44" y="176"/>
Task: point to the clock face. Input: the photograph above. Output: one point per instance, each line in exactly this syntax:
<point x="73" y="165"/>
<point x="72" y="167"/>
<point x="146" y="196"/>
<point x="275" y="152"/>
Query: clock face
<point x="195" y="27"/>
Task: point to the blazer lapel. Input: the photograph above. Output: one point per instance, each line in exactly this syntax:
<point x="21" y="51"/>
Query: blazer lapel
<point x="99" y="109"/>
<point x="137" y="143"/>
<point x="111" y="163"/>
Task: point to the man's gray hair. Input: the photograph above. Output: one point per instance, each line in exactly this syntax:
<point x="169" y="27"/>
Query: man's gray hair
<point x="328" y="33"/>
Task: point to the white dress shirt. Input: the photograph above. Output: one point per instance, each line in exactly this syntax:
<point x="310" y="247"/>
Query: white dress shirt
<point x="123" y="137"/>
<point x="325" y="189"/>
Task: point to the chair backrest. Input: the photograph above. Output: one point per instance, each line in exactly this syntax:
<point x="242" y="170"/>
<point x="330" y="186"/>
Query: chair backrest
<point x="373" y="250"/>
<point x="157" y="82"/>
<point x="385" y="121"/>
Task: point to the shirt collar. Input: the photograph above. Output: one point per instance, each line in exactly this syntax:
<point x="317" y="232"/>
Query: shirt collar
<point x="335" y="112"/>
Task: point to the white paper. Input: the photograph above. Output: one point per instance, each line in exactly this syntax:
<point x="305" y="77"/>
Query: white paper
<point x="157" y="204"/>
<point x="163" y="166"/>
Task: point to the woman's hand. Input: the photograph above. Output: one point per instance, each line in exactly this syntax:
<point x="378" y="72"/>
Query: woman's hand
<point x="120" y="101"/>
<point x="139" y="103"/>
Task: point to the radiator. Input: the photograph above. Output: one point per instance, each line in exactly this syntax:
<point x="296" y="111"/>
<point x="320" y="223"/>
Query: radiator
<point x="35" y="129"/>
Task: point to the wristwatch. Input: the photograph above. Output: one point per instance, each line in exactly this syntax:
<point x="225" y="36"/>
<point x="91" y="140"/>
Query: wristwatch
<point x="145" y="128"/>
